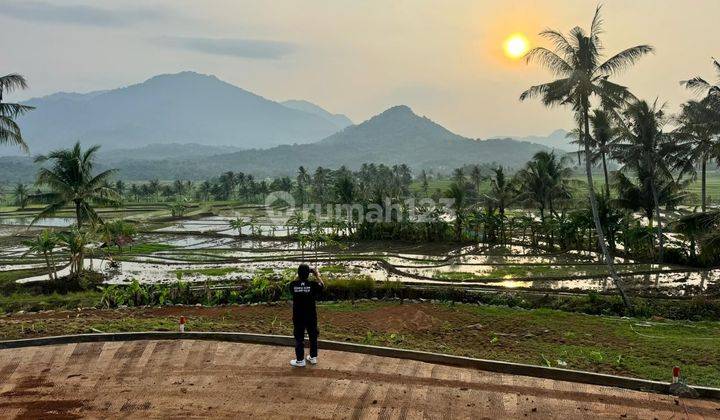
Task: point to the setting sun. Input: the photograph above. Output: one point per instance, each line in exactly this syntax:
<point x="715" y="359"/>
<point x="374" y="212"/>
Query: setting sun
<point x="516" y="46"/>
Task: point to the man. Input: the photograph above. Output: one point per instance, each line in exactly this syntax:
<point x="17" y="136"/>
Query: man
<point x="304" y="292"/>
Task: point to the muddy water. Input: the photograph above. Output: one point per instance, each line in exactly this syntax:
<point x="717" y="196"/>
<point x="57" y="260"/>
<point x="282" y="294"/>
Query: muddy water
<point x="513" y="267"/>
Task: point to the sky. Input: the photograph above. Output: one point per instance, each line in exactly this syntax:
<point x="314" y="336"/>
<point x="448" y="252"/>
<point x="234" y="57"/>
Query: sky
<point x="444" y="59"/>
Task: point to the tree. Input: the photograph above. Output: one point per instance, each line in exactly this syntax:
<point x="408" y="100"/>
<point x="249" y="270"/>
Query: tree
<point x="602" y="137"/>
<point x="545" y="181"/>
<point x="458" y="175"/>
<point x="424" y="184"/>
<point x="75" y="241"/>
<point x="120" y="187"/>
<point x="303" y="178"/>
<point x="645" y="149"/>
<point x="458" y="194"/>
<point x="502" y="193"/>
<point x="44" y="244"/>
<point x="698" y="132"/>
<point x="700" y="85"/>
<point x="238" y="224"/>
<point x="21" y="195"/>
<point x="71" y="181"/>
<point x="9" y="130"/>
<point x="636" y="195"/>
<point x="477" y="177"/>
<point x="576" y="60"/>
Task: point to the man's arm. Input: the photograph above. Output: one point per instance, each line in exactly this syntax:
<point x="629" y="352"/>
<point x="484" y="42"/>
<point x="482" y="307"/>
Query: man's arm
<point x="316" y="273"/>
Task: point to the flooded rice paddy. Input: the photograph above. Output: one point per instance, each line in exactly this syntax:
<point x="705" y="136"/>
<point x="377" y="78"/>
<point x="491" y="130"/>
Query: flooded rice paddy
<point x="208" y="249"/>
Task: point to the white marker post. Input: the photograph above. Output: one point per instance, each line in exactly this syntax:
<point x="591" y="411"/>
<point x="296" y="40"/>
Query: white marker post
<point x="676" y="374"/>
<point x="182" y="324"/>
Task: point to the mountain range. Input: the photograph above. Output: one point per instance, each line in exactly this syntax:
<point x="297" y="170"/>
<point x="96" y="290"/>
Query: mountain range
<point x="192" y="126"/>
<point x="185" y="107"/>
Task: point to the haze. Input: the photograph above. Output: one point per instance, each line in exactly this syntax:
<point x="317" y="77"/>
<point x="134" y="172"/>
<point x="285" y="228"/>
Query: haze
<point x="444" y="59"/>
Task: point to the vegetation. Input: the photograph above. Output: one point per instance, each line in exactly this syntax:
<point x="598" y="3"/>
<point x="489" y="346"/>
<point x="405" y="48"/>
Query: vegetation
<point x="582" y="75"/>
<point x="9" y="130"/>
<point x="72" y="182"/>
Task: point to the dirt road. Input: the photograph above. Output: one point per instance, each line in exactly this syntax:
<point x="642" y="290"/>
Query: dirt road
<point x="217" y="379"/>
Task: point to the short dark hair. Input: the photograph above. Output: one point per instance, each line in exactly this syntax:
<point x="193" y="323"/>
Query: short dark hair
<point x="304" y="271"/>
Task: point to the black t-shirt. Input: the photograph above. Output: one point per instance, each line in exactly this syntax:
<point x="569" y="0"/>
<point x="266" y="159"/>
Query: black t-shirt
<point x="304" y="293"/>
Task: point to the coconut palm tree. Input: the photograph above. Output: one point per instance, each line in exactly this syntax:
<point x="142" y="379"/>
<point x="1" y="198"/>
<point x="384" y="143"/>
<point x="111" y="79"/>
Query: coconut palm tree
<point x="477" y="177"/>
<point x="545" y="181"/>
<point x="458" y="194"/>
<point x="704" y="228"/>
<point x="702" y="86"/>
<point x="9" y="130"/>
<point x="44" y="244"/>
<point x="576" y="60"/>
<point x="644" y="148"/>
<point x="21" y="195"/>
<point x="72" y="182"/>
<point x="502" y="193"/>
<point x="602" y="135"/>
<point x="699" y="131"/>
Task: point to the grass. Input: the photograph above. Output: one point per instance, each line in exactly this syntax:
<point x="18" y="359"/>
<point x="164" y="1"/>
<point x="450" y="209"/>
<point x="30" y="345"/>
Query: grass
<point x="34" y="302"/>
<point x="613" y="345"/>
<point x="713" y="186"/>
<point x="212" y="272"/>
<point x="8" y="278"/>
<point x="146" y="248"/>
<point x="536" y="271"/>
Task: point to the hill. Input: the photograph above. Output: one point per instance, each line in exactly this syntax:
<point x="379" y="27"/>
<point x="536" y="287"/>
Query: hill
<point x="341" y="121"/>
<point x="185" y="107"/>
<point x="393" y="137"/>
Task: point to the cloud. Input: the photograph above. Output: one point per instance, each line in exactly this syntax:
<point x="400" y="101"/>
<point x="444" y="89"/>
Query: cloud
<point x="40" y="11"/>
<point x="234" y="47"/>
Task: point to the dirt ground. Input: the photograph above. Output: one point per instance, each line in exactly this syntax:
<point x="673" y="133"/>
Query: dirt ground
<point x="215" y="379"/>
<point x="575" y="341"/>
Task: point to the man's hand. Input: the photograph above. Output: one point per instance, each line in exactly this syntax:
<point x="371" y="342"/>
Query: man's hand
<point x="316" y="273"/>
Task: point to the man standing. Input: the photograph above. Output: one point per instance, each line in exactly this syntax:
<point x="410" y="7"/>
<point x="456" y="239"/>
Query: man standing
<point x="304" y="292"/>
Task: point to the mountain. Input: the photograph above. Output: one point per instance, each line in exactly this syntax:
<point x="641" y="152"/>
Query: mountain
<point x="185" y="107"/>
<point x="393" y="137"/>
<point x="341" y="121"/>
<point x="556" y="140"/>
<point x="171" y="151"/>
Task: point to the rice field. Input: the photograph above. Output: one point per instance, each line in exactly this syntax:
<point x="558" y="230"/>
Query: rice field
<point x="204" y="248"/>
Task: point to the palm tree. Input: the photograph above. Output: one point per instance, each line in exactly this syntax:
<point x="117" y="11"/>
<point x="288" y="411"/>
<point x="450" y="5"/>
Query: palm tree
<point x="576" y="60"/>
<point x="477" y="177"/>
<point x="238" y="224"/>
<point x="75" y="240"/>
<point x="72" y="182"/>
<point x="424" y="184"/>
<point x="545" y="181"/>
<point x="44" y="244"/>
<point x="9" y="130"/>
<point x="502" y="193"/>
<point x="636" y="195"/>
<point x="644" y="148"/>
<point x="21" y="195"/>
<point x="700" y="85"/>
<point x="602" y="137"/>
<point x="704" y="228"/>
<point x="458" y="194"/>
<point x="699" y="134"/>
<point x="458" y="175"/>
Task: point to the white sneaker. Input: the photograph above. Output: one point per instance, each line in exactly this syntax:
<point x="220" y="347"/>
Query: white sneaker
<point x="312" y="360"/>
<point x="297" y="363"/>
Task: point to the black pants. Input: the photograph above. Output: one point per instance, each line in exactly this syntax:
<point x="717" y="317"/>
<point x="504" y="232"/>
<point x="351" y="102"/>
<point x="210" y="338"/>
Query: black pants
<point x="300" y="325"/>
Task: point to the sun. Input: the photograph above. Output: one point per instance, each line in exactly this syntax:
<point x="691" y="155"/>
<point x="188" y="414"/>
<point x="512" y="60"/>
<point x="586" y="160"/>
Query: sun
<point x="516" y="45"/>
